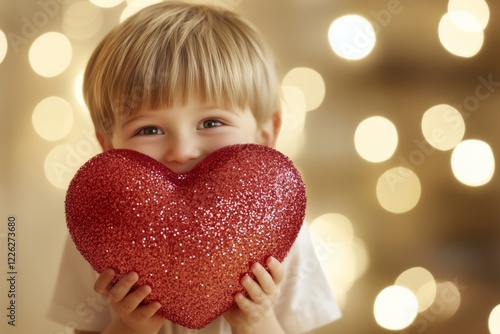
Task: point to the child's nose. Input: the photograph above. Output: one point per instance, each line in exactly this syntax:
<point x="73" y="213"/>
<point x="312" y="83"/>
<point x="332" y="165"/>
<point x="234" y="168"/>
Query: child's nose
<point x="181" y="150"/>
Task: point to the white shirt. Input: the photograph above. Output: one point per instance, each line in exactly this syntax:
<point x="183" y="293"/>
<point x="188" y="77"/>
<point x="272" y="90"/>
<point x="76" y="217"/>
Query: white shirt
<point x="305" y="303"/>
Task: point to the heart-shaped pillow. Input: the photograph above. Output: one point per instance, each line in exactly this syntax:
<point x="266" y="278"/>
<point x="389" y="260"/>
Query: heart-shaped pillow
<point x="191" y="236"/>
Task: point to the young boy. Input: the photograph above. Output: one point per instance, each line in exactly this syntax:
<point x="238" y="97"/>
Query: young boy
<point x="178" y="81"/>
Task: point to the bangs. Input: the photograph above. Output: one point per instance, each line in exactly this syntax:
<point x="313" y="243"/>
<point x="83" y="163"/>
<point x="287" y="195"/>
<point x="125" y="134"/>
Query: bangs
<point x="205" y="54"/>
<point x="201" y="65"/>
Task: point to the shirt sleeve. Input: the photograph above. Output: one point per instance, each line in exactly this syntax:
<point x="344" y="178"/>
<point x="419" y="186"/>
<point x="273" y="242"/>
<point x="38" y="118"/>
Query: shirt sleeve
<point x="306" y="301"/>
<point x="74" y="303"/>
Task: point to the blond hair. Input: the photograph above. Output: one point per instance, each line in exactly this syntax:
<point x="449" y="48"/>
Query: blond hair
<point x="173" y="51"/>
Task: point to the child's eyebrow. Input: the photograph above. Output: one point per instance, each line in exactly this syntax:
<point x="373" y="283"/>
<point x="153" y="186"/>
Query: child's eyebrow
<point x="132" y="119"/>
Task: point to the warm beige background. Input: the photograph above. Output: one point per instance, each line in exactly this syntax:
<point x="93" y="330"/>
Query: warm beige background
<point x="453" y="232"/>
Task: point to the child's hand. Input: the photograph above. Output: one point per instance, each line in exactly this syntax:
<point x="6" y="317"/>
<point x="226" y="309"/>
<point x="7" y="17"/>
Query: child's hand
<point x="132" y="317"/>
<point x="254" y="314"/>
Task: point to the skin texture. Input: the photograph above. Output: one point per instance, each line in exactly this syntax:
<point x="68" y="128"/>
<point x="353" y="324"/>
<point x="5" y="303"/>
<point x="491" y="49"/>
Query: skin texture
<point x="180" y="137"/>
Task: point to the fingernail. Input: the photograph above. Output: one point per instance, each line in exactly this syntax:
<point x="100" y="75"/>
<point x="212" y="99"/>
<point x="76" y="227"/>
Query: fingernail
<point x="271" y="260"/>
<point x="131" y="276"/>
<point x="245" y="279"/>
<point x="108" y="271"/>
<point x="256" y="267"/>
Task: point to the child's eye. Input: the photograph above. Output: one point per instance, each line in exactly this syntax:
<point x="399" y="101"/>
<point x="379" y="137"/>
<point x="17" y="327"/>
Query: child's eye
<point x="149" y="131"/>
<point x="210" y="123"/>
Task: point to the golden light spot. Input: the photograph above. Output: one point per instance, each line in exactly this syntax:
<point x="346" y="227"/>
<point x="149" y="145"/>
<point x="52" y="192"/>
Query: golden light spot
<point x="443" y="127"/>
<point x="398" y="190"/>
<point x="52" y="118"/>
<point x="494" y="320"/>
<point x="473" y="163"/>
<point x="78" y="89"/>
<point x="50" y="54"/>
<point x="421" y="282"/>
<point x="395" y="307"/>
<point x="82" y="20"/>
<point x="352" y="37"/>
<point x="457" y="41"/>
<point x="376" y="139"/>
<point x="333" y="227"/>
<point x="343" y="257"/>
<point x="4" y="46"/>
<point x="447" y="301"/>
<point x="293" y="120"/>
<point x="469" y="15"/>
<point x="362" y="258"/>
<point x="106" y="3"/>
<point x="310" y="82"/>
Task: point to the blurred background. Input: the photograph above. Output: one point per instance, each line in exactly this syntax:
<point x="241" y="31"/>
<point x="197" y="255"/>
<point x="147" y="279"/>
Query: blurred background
<point x="391" y="114"/>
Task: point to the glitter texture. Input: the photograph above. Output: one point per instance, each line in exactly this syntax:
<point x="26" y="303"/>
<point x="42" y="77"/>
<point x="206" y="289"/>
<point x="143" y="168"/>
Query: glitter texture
<point x="191" y="236"/>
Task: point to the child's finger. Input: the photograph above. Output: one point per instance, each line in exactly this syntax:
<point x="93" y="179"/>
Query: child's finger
<point x="122" y="287"/>
<point x="266" y="284"/>
<point x="254" y="290"/>
<point x="103" y="282"/>
<point x="147" y="311"/>
<point x="132" y="300"/>
<point x="277" y="269"/>
<point x="243" y="303"/>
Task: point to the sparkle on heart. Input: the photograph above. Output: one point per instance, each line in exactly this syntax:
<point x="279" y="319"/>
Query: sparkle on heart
<point x="191" y="236"/>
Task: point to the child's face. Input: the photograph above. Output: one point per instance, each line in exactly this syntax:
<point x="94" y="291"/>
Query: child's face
<point x="182" y="136"/>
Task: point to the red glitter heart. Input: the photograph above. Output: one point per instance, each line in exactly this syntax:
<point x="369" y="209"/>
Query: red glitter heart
<point x="191" y="236"/>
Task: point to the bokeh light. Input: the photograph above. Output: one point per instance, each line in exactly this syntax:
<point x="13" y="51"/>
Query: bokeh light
<point x="52" y="118"/>
<point x="395" y="307"/>
<point x="82" y="20"/>
<point x="362" y="258"/>
<point x="290" y="139"/>
<point x="421" y="282"/>
<point x="494" y="320"/>
<point x="294" y="110"/>
<point x="342" y="256"/>
<point x="333" y="227"/>
<point x="106" y="3"/>
<point x="78" y="89"/>
<point x="135" y="6"/>
<point x="443" y="127"/>
<point x="50" y="54"/>
<point x="352" y="37"/>
<point x="447" y="301"/>
<point x="83" y="112"/>
<point x="376" y="139"/>
<point x="457" y="41"/>
<point x="398" y="190"/>
<point x="4" y="46"/>
<point x="473" y="163"/>
<point x="310" y="82"/>
<point x="469" y="15"/>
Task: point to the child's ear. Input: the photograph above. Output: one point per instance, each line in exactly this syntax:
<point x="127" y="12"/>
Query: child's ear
<point x="104" y="141"/>
<point x="269" y="130"/>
